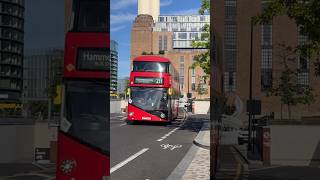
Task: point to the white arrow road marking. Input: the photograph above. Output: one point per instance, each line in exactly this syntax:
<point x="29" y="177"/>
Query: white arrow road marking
<point x="168" y="134"/>
<point x="118" y="166"/>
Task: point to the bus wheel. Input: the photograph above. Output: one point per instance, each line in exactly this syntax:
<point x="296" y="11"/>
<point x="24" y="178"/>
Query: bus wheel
<point x="130" y="122"/>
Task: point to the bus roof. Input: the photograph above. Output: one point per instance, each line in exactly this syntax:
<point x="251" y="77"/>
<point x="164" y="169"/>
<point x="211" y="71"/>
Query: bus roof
<point x="151" y="58"/>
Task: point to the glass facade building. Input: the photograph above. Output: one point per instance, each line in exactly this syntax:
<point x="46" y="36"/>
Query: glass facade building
<point x="185" y="28"/>
<point x="114" y="65"/>
<point x="11" y="49"/>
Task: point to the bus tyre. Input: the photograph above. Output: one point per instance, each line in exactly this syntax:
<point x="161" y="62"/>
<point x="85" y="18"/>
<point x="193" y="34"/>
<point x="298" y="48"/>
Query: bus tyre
<point x="130" y="122"/>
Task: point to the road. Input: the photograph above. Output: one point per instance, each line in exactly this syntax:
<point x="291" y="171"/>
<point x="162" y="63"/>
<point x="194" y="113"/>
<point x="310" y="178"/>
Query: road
<point x="149" y="151"/>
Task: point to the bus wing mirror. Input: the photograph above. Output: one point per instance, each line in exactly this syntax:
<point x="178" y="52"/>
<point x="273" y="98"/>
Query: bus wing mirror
<point x="64" y="123"/>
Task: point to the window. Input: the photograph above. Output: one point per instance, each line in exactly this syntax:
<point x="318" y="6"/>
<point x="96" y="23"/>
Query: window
<point x="160" y="43"/>
<point x="182" y="70"/>
<point x="266" y="35"/>
<point x="174" y="19"/>
<point x="182" y="35"/>
<point x="266" y="79"/>
<point x="88" y="113"/>
<point x="194" y="36"/>
<point x="161" y="19"/>
<point x="230" y="60"/>
<point x="140" y="66"/>
<point x="230" y="12"/>
<point x="202" y="18"/>
<point x="230" y="36"/>
<point x="303" y="78"/>
<point x="165" y="42"/>
<point x="229" y="81"/>
<point x="266" y="61"/>
<point x="92" y="16"/>
<point x="193" y="86"/>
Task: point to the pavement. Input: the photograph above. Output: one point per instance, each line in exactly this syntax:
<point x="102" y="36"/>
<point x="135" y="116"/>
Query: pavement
<point x="259" y="171"/>
<point x="27" y="171"/>
<point x="196" y="163"/>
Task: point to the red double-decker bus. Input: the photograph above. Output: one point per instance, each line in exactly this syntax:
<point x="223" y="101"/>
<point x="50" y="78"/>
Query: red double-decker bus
<point x="83" y="137"/>
<point x="154" y="90"/>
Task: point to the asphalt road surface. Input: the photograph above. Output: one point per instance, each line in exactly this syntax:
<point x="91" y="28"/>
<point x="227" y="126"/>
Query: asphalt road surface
<point x="149" y="151"/>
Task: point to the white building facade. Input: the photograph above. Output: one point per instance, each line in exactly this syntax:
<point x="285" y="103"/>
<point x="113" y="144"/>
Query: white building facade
<point x="185" y="28"/>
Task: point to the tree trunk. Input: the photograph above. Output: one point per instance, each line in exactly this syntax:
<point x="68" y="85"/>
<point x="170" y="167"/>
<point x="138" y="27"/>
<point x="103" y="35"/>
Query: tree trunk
<point x="289" y="111"/>
<point x="281" y="108"/>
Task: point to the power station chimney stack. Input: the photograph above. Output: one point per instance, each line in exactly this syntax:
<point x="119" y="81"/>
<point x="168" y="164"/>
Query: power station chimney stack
<point x="150" y="7"/>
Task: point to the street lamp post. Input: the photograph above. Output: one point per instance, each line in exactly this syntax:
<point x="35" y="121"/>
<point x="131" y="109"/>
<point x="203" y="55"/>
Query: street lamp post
<point x="250" y="88"/>
<point x="188" y="80"/>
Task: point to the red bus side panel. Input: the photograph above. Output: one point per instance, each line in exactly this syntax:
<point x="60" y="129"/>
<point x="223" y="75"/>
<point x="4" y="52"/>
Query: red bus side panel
<point x="78" y="161"/>
<point x="140" y="115"/>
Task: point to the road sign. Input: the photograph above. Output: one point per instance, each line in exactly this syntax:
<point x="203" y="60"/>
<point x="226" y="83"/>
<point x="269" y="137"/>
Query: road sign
<point x="42" y="155"/>
<point x="254" y="106"/>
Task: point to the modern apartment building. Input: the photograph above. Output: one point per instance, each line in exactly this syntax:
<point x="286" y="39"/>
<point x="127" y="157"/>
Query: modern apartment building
<point x="11" y="49"/>
<point x="232" y="35"/>
<point x="185" y="29"/>
<point x="114" y="66"/>
<point x="42" y="72"/>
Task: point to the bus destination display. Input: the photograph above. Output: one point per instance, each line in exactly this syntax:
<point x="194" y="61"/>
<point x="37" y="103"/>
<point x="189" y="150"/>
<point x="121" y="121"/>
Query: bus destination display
<point x="96" y="59"/>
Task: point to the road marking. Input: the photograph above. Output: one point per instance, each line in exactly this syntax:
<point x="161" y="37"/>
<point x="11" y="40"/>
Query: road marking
<point x="171" y="147"/>
<point x="123" y="124"/>
<point x="168" y="134"/>
<point x="116" y="167"/>
<point x="124" y="118"/>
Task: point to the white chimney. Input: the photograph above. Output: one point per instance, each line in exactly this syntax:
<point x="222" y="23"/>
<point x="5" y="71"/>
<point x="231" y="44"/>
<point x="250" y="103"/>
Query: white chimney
<point x="151" y="7"/>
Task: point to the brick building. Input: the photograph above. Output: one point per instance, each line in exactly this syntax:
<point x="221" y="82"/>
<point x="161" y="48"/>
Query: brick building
<point x="232" y="38"/>
<point x="171" y="36"/>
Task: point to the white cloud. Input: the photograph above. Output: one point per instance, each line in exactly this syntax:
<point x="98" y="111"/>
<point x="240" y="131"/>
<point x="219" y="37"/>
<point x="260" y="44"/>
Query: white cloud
<point x="121" y="18"/>
<point x="194" y="11"/>
<point x="119" y="4"/>
<point x="117" y="28"/>
<point x="166" y="2"/>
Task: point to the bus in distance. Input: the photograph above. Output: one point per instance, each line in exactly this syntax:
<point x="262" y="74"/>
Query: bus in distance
<point x="154" y="90"/>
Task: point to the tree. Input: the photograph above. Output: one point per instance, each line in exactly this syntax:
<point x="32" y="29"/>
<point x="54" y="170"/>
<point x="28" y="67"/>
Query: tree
<point x="290" y="93"/>
<point x="202" y="89"/>
<point x="306" y="15"/>
<point x="162" y="52"/>
<point x="203" y="60"/>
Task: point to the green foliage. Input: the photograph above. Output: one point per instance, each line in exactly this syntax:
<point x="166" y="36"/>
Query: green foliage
<point x="37" y="107"/>
<point x="203" y="60"/>
<point x="205" y="7"/>
<point x="145" y="53"/>
<point x="202" y="89"/>
<point x="162" y="52"/>
<point x="306" y="15"/>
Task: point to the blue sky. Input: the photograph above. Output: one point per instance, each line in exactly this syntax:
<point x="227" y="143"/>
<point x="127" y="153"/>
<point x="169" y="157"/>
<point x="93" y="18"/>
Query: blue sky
<point x="122" y="15"/>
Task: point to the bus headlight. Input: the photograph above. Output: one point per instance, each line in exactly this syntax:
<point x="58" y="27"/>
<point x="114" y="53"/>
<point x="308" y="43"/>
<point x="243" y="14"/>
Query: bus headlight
<point x="131" y="113"/>
<point x="162" y="115"/>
